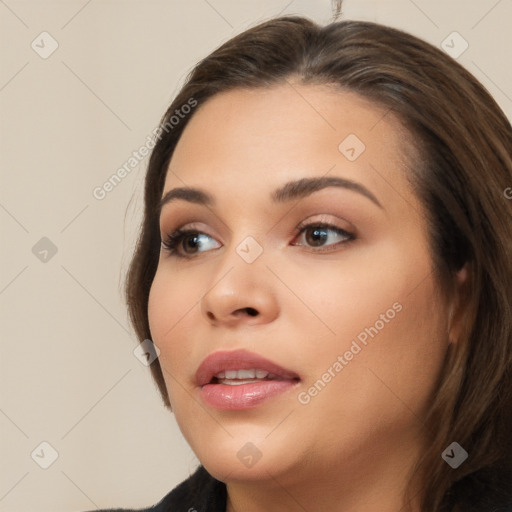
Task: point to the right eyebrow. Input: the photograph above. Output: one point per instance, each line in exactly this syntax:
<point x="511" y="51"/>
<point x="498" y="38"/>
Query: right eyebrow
<point x="189" y="194"/>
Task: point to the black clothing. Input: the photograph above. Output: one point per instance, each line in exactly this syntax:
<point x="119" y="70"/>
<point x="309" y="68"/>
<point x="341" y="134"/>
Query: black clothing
<point x="200" y="492"/>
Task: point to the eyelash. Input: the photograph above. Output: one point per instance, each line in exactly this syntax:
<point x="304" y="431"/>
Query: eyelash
<point x="173" y="240"/>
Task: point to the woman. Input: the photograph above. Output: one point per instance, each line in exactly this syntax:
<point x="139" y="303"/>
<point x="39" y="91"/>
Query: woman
<point x="325" y="270"/>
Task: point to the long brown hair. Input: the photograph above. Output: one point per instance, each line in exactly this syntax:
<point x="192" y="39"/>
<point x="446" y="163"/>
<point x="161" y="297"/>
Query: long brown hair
<point x="462" y="165"/>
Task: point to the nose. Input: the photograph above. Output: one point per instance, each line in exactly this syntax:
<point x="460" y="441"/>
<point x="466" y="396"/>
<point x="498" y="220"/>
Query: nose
<point x="241" y="293"/>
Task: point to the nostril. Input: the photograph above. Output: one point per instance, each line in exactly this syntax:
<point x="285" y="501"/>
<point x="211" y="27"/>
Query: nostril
<point x="251" y="311"/>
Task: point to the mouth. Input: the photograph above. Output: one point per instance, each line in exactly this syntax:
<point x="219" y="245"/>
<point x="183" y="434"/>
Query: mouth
<point x="238" y="377"/>
<point x="241" y="379"/>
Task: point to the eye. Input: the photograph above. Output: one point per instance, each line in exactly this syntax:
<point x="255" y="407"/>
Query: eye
<point x="186" y="243"/>
<point x="316" y="234"/>
<point x="186" y="239"/>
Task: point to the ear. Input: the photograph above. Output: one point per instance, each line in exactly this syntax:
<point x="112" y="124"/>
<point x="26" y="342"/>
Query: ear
<point x="458" y="305"/>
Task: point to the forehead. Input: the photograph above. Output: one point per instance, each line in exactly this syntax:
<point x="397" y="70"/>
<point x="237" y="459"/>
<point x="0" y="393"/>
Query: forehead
<point x="249" y="141"/>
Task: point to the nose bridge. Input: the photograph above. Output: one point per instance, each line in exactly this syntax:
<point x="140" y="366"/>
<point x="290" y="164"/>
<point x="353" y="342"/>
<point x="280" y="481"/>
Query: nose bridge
<point x="241" y="285"/>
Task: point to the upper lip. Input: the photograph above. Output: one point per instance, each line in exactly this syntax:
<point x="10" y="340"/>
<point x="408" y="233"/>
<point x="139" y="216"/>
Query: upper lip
<point x="238" y="360"/>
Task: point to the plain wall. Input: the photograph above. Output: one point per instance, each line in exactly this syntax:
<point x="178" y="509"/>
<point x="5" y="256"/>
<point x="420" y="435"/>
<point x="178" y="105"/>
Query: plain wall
<point x="68" y="122"/>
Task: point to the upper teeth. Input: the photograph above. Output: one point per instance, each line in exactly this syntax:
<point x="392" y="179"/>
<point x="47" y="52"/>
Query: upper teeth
<point x="244" y="374"/>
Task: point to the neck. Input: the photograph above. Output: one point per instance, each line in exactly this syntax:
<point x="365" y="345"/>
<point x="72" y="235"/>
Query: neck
<point x="375" y="482"/>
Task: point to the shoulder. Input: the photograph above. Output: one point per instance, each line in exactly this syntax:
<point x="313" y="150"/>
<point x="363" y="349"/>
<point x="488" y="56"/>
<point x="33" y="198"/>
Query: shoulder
<point x="200" y="492"/>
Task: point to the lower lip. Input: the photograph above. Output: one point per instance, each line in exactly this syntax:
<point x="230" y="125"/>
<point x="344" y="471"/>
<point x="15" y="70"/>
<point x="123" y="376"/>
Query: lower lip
<point x="244" y="396"/>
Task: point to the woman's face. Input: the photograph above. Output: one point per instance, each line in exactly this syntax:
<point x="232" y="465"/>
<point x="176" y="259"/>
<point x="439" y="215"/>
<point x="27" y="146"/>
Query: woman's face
<point x="349" y="306"/>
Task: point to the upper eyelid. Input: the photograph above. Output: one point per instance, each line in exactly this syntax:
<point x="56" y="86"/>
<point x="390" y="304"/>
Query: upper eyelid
<point x="314" y="218"/>
<point x="303" y="225"/>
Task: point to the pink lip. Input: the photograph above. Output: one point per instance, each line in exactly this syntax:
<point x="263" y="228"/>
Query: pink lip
<point x="243" y="396"/>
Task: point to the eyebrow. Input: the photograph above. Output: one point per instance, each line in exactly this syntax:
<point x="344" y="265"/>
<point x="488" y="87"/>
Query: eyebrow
<point x="292" y="190"/>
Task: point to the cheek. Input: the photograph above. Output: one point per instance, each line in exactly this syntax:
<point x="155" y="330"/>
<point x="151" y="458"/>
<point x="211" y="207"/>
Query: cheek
<point x="411" y="356"/>
<point x="347" y="296"/>
<point x="158" y="308"/>
<point x="386" y="316"/>
<point x="170" y="302"/>
<point x="392" y="356"/>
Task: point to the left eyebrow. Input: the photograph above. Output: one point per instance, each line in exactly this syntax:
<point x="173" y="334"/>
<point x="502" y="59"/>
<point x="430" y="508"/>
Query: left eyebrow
<point x="289" y="191"/>
<point x="306" y="186"/>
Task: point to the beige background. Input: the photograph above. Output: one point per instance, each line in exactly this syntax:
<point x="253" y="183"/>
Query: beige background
<point x="68" y="122"/>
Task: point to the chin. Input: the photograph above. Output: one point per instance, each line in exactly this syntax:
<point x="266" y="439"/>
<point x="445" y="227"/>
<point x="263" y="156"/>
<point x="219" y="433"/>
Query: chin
<point x="248" y="455"/>
<point x="227" y="467"/>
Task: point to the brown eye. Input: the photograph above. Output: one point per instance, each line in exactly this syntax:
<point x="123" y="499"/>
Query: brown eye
<point x="190" y="242"/>
<point x="186" y="240"/>
<point x="316" y="235"/>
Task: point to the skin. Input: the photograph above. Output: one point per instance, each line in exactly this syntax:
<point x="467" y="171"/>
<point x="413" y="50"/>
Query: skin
<point x="352" y="447"/>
